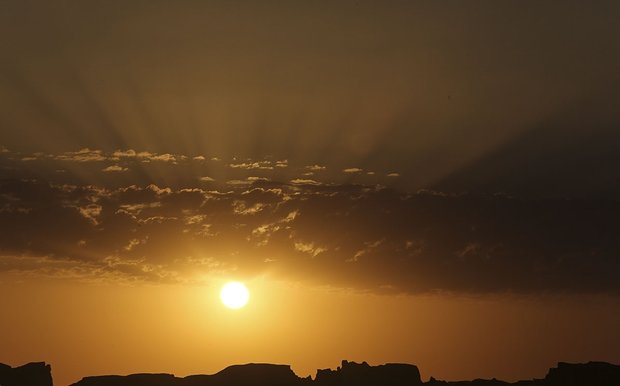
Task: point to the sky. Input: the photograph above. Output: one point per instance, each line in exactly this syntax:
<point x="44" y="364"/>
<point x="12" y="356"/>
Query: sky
<point x="395" y="181"/>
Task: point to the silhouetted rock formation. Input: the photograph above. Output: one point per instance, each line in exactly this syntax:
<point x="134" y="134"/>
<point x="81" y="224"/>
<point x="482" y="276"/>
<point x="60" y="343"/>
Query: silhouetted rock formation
<point x="362" y="374"/>
<point x="583" y="374"/>
<point x="565" y="374"/>
<point x="252" y="374"/>
<point x="348" y="374"/>
<point x="31" y="374"/>
<point x="475" y="382"/>
<point x="131" y="380"/>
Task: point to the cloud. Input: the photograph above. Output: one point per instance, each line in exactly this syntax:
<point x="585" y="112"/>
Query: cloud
<point x="353" y="170"/>
<point x="254" y="178"/>
<point x="162" y="157"/>
<point x="146" y="156"/>
<point x="368" y="248"/>
<point x="245" y="182"/>
<point x="354" y="236"/>
<point x="125" y="153"/>
<point x="83" y="155"/>
<point x="264" y="165"/>
<point x="114" y="168"/>
<point x="315" y="168"/>
<point x="358" y="236"/>
<point x="241" y="207"/>
<point x="87" y="155"/>
<point x="304" y="181"/>
<point x="309" y="248"/>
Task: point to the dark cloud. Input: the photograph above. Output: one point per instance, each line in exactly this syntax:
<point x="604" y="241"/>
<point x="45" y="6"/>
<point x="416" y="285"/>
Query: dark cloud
<point x="364" y="237"/>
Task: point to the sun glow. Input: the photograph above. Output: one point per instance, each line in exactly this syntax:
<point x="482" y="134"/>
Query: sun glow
<point x="234" y="295"/>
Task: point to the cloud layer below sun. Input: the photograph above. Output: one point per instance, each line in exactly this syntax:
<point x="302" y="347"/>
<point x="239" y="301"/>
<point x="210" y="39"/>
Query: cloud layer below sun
<point x="297" y="222"/>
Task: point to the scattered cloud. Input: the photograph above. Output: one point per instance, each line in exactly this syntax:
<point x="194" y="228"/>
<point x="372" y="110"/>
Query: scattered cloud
<point x="124" y="153"/>
<point x="146" y="156"/>
<point x="114" y="168"/>
<point x="254" y="178"/>
<point x="241" y="207"/>
<point x="265" y="165"/>
<point x="162" y="157"/>
<point x="393" y="174"/>
<point x="83" y="155"/>
<point x="352" y="170"/>
<point x="315" y="168"/>
<point x="240" y="182"/>
<point x="309" y="248"/>
<point x="304" y="181"/>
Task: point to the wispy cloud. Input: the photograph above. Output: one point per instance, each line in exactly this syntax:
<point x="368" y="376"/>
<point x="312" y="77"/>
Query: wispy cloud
<point x="114" y="168"/>
<point x="83" y="155"/>
<point x="146" y="156"/>
<point x="304" y="181"/>
<point x="265" y="165"/>
<point x="315" y="168"/>
<point x="352" y="170"/>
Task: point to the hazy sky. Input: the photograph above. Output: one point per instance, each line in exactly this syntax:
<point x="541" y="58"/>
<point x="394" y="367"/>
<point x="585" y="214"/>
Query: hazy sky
<point x="425" y="182"/>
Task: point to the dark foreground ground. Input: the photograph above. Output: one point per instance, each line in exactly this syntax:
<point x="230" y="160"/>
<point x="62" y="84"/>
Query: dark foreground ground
<point x="348" y="374"/>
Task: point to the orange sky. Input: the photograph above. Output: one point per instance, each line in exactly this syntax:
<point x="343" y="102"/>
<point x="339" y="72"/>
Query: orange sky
<point x="88" y="329"/>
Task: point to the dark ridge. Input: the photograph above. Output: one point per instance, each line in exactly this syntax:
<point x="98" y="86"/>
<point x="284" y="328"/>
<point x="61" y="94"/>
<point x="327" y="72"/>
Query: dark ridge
<point x="35" y="374"/>
<point x="348" y="374"/>
<point x="253" y="374"/>
<point x="577" y="374"/>
<point x="354" y="374"/>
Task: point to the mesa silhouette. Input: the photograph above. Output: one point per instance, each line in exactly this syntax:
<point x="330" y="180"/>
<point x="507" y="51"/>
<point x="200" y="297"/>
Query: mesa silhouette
<point x="348" y="374"/>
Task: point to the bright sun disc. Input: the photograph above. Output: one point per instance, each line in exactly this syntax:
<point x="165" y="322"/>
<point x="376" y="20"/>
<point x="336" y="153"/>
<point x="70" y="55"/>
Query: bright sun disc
<point x="234" y="295"/>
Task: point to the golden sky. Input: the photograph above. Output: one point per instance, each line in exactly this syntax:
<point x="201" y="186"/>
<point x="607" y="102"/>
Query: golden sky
<point x="403" y="181"/>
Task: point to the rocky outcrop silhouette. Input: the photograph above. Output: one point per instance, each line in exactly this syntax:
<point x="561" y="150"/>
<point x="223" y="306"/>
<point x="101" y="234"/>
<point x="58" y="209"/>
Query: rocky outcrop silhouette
<point x="348" y="374"/>
<point x="253" y="374"/>
<point x="565" y="374"/>
<point x="362" y="374"/>
<point x="583" y="374"/>
<point x="31" y="374"/>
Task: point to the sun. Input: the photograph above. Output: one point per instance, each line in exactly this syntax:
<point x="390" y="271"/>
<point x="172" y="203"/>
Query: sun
<point x="234" y="294"/>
